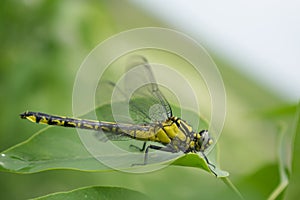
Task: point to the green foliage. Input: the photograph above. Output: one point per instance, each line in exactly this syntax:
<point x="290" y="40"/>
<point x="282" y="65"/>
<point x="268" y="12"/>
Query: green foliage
<point x="292" y="190"/>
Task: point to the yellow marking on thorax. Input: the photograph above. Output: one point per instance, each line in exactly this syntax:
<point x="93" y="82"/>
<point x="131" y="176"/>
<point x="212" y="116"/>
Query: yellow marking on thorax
<point x="173" y="131"/>
<point x="181" y="135"/>
<point x="192" y="144"/>
<point x="170" y="130"/>
<point x="162" y="137"/>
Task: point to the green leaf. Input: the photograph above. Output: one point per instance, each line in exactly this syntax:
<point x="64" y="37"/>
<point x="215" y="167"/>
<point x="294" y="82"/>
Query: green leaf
<point x="194" y="160"/>
<point x="50" y="148"/>
<point x="96" y="192"/>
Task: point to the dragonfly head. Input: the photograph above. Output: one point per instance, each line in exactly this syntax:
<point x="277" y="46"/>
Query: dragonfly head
<point x="203" y="141"/>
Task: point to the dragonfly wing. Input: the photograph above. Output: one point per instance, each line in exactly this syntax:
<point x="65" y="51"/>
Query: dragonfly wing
<point x="145" y="97"/>
<point x="139" y="99"/>
<point x="104" y="137"/>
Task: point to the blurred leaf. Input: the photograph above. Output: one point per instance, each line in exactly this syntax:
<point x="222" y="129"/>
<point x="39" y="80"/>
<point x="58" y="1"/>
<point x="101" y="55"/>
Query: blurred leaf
<point x="283" y="145"/>
<point x="96" y="192"/>
<point x="254" y="185"/>
<point x="293" y="187"/>
<point x="278" y="112"/>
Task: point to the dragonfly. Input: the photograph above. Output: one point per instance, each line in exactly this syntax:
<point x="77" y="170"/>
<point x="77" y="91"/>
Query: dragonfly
<point x="159" y="127"/>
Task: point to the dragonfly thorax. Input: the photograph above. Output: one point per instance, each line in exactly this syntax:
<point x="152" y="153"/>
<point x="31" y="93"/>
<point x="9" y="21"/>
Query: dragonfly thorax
<point x="181" y="135"/>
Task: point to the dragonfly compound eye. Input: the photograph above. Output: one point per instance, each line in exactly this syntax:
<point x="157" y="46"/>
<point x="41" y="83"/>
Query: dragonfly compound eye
<point x="205" y="140"/>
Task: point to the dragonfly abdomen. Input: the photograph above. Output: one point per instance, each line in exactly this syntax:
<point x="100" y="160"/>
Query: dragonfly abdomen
<point x="140" y="132"/>
<point x="156" y="132"/>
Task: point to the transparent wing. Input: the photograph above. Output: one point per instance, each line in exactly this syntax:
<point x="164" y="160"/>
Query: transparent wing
<point x="146" y="101"/>
<point x="135" y="98"/>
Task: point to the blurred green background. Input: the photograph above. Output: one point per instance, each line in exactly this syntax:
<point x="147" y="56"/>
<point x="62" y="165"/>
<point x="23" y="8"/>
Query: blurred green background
<point x="42" y="46"/>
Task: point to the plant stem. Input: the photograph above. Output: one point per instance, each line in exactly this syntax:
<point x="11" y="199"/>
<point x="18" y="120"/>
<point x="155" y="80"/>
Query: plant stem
<point x="227" y="181"/>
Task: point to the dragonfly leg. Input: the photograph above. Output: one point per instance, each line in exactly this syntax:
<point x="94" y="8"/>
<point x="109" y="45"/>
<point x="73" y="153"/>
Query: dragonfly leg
<point x="207" y="161"/>
<point x="210" y="165"/>
<point x="138" y="148"/>
<point x="146" y="152"/>
<point x="166" y="149"/>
